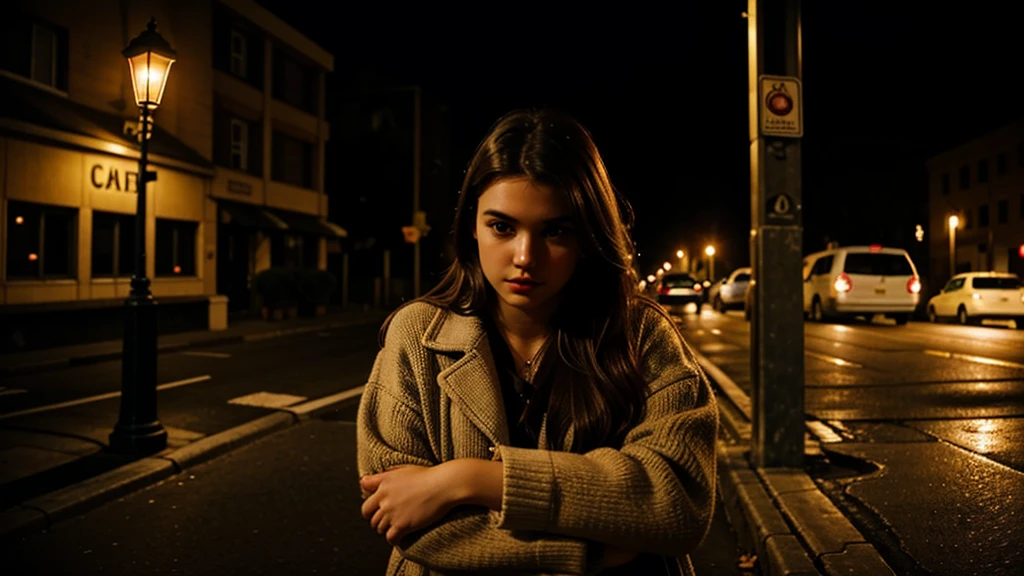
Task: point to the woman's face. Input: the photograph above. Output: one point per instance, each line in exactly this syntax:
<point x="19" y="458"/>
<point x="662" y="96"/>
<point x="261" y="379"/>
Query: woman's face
<point x="527" y="243"/>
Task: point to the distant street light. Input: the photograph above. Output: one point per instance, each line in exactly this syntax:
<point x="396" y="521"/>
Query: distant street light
<point x="679" y="253"/>
<point x="667" y="266"/>
<point x="651" y="278"/>
<point x="919" y="233"/>
<point x="954" y="222"/>
<point x="138" y="431"/>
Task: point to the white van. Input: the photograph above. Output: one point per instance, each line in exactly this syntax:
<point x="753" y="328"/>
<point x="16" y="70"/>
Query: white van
<point x="860" y="281"/>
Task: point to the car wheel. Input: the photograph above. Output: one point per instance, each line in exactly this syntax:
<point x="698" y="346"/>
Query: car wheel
<point x="931" y="315"/>
<point x="961" y="315"/>
<point x="816" y="312"/>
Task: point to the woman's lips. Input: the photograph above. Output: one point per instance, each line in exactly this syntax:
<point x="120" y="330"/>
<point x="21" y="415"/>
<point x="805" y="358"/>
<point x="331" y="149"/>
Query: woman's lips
<point x="520" y="286"/>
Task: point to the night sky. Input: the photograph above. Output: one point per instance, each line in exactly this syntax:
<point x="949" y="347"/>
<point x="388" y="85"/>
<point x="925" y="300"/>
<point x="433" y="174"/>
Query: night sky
<point x="664" y="93"/>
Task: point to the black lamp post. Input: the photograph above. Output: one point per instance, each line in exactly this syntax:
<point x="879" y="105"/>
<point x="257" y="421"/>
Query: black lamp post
<point x="138" y="431"/>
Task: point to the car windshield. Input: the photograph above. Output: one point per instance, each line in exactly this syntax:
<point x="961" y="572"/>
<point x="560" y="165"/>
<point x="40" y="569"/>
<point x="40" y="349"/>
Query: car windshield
<point x="870" y="264"/>
<point x="742" y="278"/>
<point x="677" y="281"/>
<point x="1003" y="283"/>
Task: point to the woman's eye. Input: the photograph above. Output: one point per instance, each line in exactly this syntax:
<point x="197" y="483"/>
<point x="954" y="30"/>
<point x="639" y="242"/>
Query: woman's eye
<point x="556" y="232"/>
<point x="501" y="227"/>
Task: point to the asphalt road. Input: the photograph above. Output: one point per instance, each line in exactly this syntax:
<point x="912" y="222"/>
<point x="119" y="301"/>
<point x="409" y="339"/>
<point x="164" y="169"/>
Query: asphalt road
<point x="925" y="428"/>
<point x="286" y="504"/>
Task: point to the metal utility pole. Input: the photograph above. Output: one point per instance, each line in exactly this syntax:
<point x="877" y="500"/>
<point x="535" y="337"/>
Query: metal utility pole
<point x="777" y="325"/>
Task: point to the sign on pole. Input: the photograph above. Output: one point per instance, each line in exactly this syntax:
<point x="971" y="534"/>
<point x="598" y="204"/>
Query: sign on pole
<point x="781" y="108"/>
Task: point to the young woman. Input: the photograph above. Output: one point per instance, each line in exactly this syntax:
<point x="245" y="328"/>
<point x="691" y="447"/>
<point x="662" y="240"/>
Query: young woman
<point x="533" y="413"/>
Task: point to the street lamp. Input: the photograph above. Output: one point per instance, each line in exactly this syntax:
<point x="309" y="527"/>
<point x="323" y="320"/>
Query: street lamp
<point x="667" y="266"/>
<point x="710" y="251"/>
<point x="954" y="222"/>
<point x="138" y="431"/>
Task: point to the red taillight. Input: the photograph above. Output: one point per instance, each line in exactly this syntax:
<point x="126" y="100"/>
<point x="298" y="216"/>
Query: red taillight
<point x="913" y="285"/>
<point x="663" y="290"/>
<point x="842" y="283"/>
<point x="875" y="248"/>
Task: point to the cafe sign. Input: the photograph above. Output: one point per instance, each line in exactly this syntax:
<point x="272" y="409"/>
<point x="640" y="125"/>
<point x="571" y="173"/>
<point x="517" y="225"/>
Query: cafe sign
<point x="120" y="177"/>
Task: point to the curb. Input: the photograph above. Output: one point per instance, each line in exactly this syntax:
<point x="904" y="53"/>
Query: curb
<point x="779" y="512"/>
<point x="58" y="363"/>
<point x="44" y="511"/>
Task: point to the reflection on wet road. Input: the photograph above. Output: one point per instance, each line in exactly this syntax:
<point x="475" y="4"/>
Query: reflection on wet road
<point x="961" y="384"/>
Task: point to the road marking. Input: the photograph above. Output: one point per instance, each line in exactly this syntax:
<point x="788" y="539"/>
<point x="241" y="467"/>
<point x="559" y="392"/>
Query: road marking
<point x="206" y="354"/>
<point x="972" y="358"/>
<point x="823" y="432"/>
<point x="106" y="396"/>
<point x="267" y="400"/>
<point x="312" y="405"/>
<point x="832" y="359"/>
<point x="9" y="391"/>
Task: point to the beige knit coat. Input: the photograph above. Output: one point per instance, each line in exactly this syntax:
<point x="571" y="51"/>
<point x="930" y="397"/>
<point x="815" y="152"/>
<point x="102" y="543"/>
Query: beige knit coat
<point x="433" y="395"/>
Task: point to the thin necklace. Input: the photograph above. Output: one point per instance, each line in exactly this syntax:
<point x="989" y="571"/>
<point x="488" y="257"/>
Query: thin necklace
<point x="529" y="365"/>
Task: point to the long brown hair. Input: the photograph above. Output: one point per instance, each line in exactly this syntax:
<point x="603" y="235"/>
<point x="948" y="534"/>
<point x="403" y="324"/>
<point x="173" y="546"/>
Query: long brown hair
<point x="596" y="385"/>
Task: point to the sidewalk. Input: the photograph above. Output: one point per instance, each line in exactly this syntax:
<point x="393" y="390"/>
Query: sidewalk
<point x="780" y="512"/>
<point x="245" y="330"/>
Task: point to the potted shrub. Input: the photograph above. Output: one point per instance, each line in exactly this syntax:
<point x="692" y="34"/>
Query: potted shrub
<point x="315" y="288"/>
<point x="278" y="292"/>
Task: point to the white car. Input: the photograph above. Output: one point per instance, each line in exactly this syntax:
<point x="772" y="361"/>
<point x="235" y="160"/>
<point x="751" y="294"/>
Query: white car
<point x="974" y="296"/>
<point x="730" y="292"/>
<point x="861" y="281"/>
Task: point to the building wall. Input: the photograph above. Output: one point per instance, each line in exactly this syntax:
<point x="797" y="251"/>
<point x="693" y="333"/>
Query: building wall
<point x="979" y="176"/>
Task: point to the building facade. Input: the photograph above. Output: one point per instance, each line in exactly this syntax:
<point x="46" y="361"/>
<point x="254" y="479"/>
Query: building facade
<point x="981" y="182"/>
<point x="237" y="147"/>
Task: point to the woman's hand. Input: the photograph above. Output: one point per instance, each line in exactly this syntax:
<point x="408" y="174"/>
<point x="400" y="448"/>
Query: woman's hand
<point x="406" y="499"/>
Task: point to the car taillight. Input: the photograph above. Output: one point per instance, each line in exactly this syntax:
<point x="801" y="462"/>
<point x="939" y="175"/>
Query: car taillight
<point x="842" y="283"/>
<point x="663" y="290"/>
<point x="697" y="288"/>
<point x="913" y="285"/>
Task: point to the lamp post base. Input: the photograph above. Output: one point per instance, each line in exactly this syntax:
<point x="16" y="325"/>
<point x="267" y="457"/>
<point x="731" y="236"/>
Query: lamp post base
<point x="144" y="438"/>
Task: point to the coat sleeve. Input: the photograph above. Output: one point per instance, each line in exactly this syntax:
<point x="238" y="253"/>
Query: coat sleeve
<point x="390" y="432"/>
<point x="656" y="493"/>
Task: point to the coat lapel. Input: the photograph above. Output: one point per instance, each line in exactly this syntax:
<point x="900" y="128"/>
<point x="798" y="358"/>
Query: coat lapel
<point x="472" y="381"/>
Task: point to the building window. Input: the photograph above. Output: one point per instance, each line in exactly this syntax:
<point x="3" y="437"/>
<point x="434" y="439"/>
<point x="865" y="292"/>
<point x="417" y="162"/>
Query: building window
<point x="982" y="171"/>
<point x="176" y="247"/>
<point x="40" y="241"/>
<point x="113" y="245"/>
<point x="295" y="251"/>
<point x="965" y="177"/>
<point x="292" y="160"/>
<point x="239" y="53"/>
<point x="1001" y="163"/>
<point x="34" y="50"/>
<point x="293" y="82"/>
<point x="1003" y="211"/>
<point x="983" y="216"/>
<point x="944" y="181"/>
<point x="239" y="144"/>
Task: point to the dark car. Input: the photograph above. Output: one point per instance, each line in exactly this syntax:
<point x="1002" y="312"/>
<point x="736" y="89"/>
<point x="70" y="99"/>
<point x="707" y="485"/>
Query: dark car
<point x="675" y="291"/>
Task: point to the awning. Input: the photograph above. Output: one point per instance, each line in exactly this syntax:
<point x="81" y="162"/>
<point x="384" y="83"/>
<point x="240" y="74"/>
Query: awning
<point x="23" y="103"/>
<point x="310" y="224"/>
<point x="249" y="215"/>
